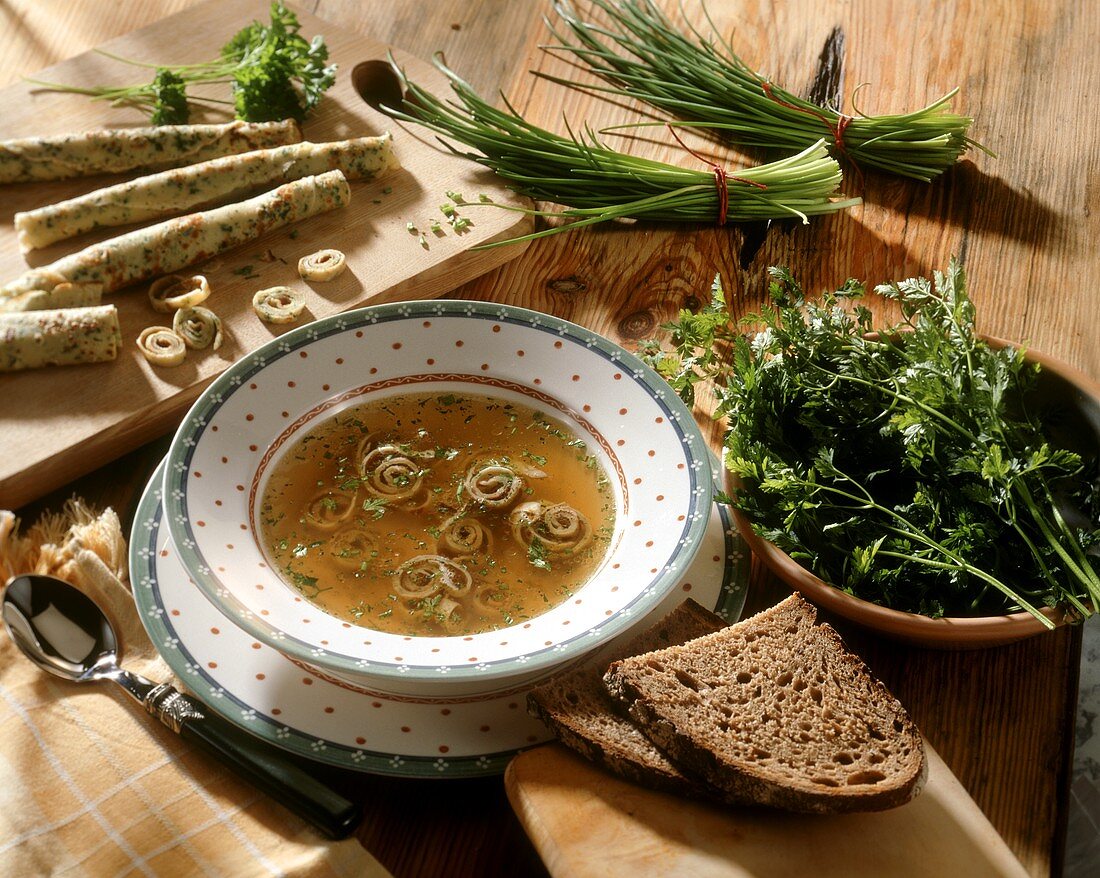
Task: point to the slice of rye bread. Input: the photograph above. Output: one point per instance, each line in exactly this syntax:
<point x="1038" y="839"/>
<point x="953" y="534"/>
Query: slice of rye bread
<point x="776" y="710"/>
<point x="577" y="708"/>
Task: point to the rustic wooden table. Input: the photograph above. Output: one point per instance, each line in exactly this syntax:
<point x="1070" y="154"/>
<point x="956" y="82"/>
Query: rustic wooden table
<point x="1025" y="223"/>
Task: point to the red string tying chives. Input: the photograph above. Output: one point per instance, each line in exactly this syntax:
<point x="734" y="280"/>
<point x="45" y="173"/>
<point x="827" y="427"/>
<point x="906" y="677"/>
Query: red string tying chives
<point x="837" y="129"/>
<point x="838" y="134"/>
<point x="720" y="178"/>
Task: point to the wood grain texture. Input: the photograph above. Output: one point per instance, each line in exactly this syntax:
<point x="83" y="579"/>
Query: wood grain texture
<point x="1002" y="718"/>
<point x="61" y="423"/>
<point x="577" y="814"/>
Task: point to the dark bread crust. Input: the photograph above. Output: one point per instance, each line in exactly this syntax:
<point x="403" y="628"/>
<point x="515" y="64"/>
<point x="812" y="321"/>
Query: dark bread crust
<point x="577" y="708"/>
<point x="775" y="710"/>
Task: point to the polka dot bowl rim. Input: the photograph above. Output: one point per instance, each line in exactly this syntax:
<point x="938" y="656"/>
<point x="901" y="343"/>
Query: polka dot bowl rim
<point x="538" y="648"/>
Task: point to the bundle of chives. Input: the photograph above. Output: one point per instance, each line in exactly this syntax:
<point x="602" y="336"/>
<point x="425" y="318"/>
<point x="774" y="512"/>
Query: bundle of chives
<point x="596" y="184"/>
<point x="711" y="87"/>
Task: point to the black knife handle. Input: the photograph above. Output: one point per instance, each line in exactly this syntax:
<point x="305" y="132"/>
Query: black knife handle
<point x="264" y="766"/>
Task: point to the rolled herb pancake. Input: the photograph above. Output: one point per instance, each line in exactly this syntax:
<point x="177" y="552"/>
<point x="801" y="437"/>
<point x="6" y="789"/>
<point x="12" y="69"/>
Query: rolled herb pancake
<point x="218" y="180"/>
<point x="173" y="291"/>
<point x="58" y="338"/>
<point x="278" y="304"/>
<point x="55" y="293"/>
<point x="174" y="244"/>
<point x="161" y="346"/>
<point x="324" y="265"/>
<point x="112" y="150"/>
<point x="199" y="327"/>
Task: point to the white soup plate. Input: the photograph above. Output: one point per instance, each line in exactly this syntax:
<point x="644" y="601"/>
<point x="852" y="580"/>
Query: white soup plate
<point x="636" y="426"/>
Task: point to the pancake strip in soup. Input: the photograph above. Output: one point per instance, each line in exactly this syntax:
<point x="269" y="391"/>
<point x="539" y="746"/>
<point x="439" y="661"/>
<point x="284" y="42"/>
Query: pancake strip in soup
<point x="174" y="244"/>
<point x="184" y="189"/>
<point x="58" y="338"/>
<point x="113" y="150"/>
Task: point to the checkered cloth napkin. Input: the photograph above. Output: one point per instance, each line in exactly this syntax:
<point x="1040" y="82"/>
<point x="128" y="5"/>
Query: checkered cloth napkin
<point x="92" y="786"/>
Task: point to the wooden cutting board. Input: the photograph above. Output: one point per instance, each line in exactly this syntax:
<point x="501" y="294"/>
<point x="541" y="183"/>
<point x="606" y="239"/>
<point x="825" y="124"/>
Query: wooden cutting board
<point x="58" y="423"/>
<point x="587" y="823"/>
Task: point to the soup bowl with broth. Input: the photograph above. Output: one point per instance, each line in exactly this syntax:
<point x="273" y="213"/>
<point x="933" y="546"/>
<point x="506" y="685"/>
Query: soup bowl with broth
<point x="433" y="498"/>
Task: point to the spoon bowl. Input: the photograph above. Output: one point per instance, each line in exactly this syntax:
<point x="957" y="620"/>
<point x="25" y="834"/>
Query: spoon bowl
<point x="65" y="633"/>
<point x="59" y="628"/>
<point x="377" y="84"/>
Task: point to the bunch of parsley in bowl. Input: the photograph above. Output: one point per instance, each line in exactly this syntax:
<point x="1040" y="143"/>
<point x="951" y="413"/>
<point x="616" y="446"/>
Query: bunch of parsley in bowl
<point x="917" y="478"/>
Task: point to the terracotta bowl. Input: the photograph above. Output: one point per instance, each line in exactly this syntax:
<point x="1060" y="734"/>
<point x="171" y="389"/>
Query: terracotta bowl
<point x="1071" y="406"/>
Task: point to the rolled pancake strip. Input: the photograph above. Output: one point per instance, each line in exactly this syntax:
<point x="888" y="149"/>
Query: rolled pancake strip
<point x="183" y="189"/>
<point x="174" y="244"/>
<point x="61" y="294"/>
<point x="123" y="149"/>
<point x="58" y="338"/>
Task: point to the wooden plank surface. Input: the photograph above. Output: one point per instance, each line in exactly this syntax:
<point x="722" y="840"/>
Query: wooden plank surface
<point x="1001" y="719"/>
<point x="59" y="423"/>
<point x="588" y="824"/>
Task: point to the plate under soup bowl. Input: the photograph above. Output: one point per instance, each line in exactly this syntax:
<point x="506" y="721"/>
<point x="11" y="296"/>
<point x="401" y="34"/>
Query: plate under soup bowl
<point x="622" y="417"/>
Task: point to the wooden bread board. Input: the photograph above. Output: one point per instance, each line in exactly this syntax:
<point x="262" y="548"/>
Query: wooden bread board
<point x="57" y="423"/>
<point x="587" y="823"/>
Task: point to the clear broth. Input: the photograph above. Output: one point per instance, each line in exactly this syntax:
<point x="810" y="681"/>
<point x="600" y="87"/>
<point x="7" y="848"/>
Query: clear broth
<point x="437" y="514"/>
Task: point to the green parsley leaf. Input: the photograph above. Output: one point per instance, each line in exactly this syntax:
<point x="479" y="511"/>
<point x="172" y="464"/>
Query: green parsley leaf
<point x="376" y="506"/>
<point x="536" y="554"/>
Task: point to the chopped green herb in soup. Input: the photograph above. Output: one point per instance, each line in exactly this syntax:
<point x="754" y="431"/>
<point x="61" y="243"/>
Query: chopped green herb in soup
<point x="437" y="514"/>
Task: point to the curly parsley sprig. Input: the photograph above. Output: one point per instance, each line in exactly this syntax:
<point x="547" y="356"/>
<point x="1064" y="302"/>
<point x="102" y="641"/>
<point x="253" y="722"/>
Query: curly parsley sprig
<point x="907" y="465"/>
<point x="274" y="71"/>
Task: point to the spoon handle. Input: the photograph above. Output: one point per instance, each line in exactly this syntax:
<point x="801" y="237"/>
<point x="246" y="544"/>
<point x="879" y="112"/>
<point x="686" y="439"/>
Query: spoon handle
<point x="262" y="765"/>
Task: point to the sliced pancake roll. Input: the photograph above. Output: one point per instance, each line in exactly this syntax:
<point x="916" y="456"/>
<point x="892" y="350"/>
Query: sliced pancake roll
<point x="174" y="244"/>
<point x="776" y="710"/>
<point x="58" y="338"/>
<point x="55" y="292"/>
<point x="113" y="150"/>
<point x="184" y="189"/>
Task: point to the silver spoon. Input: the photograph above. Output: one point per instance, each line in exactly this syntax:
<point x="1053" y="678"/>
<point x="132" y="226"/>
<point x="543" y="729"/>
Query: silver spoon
<point x="65" y="633"/>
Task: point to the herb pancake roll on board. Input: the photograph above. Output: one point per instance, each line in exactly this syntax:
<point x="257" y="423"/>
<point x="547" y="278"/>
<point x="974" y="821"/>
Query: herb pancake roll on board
<point x="54" y="292"/>
<point x="177" y="243"/>
<point x="113" y="150"/>
<point x="58" y="337"/>
<point x="183" y="189"/>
